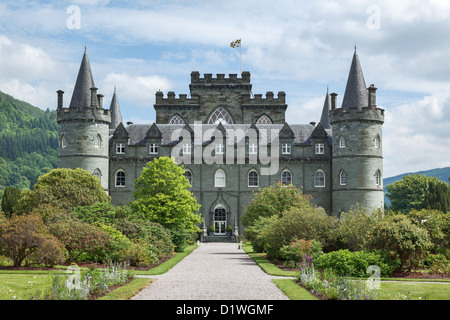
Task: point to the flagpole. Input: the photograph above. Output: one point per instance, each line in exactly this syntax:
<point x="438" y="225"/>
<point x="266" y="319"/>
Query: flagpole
<point x="240" y="56"/>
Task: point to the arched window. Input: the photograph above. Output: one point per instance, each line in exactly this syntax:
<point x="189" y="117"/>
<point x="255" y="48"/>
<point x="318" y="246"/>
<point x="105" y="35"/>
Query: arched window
<point x="220" y="115"/>
<point x="319" y="179"/>
<point x="97" y="141"/>
<point x="286" y="178"/>
<point x="219" y="179"/>
<point x="63" y="141"/>
<point x="376" y="142"/>
<point x="378" y="178"/>
<point x="120" y="178"/>
<point x="188" y="175"/>
<point x="176" y="119"/>
<point x="97" y="173"/>
<point x="264" y="119"/>
<point x="342" y="142"/>
<point x="342" y="178"/>
<point x="253" y="178"/>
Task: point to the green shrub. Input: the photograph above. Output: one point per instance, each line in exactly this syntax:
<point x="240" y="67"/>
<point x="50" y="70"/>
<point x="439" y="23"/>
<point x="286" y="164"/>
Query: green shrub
<point x="298" y="223"/>
<point x="294" y="252"/>
<point x="354" y="264"/>
<point x="50" y="253"/>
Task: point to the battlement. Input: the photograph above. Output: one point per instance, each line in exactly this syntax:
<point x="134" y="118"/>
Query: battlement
<point x="364" y="114"/>
<point x="220" y="78"/>
<point x="87" y="114"/>
<point x="270" y="99"/>
<point x="173" y="100"/>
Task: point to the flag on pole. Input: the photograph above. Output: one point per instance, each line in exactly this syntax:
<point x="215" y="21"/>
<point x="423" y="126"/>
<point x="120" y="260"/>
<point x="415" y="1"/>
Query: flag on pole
<point x="236" y="43"/>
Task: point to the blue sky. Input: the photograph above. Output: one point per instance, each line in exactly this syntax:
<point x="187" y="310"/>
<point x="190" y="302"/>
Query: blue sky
<point x="300" y="47"/>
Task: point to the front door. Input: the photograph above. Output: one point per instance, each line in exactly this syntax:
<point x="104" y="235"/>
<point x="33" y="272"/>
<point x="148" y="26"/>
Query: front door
<point x="220" y="221"/>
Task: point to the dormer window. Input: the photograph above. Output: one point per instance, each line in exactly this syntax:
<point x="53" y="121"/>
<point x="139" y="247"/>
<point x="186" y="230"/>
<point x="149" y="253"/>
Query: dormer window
<point x="187" y="148"/>
<point x="153" y="148"/>
<point x="253" y="148"/>
<point x="120" y="148"/>
<point x="220" y="148"/>
<point x="285" y="148"/>
<point x="320" y="148"/>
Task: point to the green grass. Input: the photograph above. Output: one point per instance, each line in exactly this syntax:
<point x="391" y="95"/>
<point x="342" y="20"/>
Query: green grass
<point x="293" y="290"/>
<point x="128" y="291"/>
<point x="22" y="285"/>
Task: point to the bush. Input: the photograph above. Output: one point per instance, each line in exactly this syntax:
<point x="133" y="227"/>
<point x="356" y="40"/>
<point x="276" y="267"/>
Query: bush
<point x="298" y="223"/>
<point x="295" y="251"/>
<point x="158" y="238"/>
<point x="400" y="239"/>
<point x="20" y="236"/>
<point x="253" y="233"/>
<point x="354" y="264"/>
<point x="80" y="238"/>
<point x="50" y="253"/>
<point x="115" y="249"/>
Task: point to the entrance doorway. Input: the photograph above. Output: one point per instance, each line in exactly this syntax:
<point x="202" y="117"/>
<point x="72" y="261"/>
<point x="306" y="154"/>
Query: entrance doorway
<point x="220" y="221"/>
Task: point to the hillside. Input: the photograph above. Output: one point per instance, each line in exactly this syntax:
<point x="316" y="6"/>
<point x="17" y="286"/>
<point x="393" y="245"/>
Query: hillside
<point x="28" y="142"/>
<point x="441" y="173"/>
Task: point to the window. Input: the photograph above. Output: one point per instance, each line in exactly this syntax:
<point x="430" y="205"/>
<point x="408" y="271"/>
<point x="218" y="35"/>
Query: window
<point x="342" y="142"/>
<point x="378" y="178"/>
<point x="286" y="178"/>
<point x="120" y="178"/>
<point x="253" y="149"/>
<point x="97" y="141"/>
<point x="153" y="148"/>
<point x="376" y="142"/>
<point x="320" y="149"/>
<point x="319" y="179"/>
<point x="120" y="148"/>
<point x="253" y="178"/>
<point x="63" y="141"/>
<point x="264" y="119"/>
<point x="219" y="179"/>
<point x="220" y="115"/>
<point x="187" y="148"/>
<point x="98" y="174"/>
<point x="176" y="119"/>
<point x="188" y="176"/>
<point x="220" y="148"/>
<point x="342" y="178"/>
<point x="285" y="148"/>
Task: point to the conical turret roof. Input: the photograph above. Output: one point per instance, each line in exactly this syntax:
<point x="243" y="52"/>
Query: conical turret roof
<point x="81" y="96"/>
<point x="116" y="115"/>
<point x="325" y="118"/>
<point x="356" y="91"/>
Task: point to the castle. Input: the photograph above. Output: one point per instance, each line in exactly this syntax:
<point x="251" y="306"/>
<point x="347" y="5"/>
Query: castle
<point x="337" y="161"/>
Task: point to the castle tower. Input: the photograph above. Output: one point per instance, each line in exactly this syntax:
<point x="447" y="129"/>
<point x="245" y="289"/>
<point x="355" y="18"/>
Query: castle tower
<point x="84" y="127"/>
<point x="116" y="115"/>
<point x="357" y="158"/>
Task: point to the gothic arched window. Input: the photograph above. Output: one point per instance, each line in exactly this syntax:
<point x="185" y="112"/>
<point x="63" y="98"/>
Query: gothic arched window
<point x="319" y="179"/>
<point x="220" y="115"/>
<point x="188" y="175"/>
<point x="97" y="141"/>
<point x="219" y="179"/>
<point x="253" y="178"/>
<point x="342" y="178"/>
<point x="176" y="119"/>
<point x="97" y="173"/>
<point x="120" y="178"/>
<point x="264" y="119"/>
<point x="286" y="178"/>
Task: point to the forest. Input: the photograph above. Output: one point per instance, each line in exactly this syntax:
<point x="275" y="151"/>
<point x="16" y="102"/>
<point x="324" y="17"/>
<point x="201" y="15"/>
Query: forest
<point x="28" y="143"/>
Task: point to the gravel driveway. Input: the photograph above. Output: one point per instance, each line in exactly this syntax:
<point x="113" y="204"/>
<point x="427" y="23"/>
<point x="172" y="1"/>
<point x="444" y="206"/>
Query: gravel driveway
<point x="213" y="271"/>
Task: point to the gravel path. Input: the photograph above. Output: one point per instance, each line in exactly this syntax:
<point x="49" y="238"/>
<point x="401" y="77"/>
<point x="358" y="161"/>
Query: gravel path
<point x="213" y="271"/>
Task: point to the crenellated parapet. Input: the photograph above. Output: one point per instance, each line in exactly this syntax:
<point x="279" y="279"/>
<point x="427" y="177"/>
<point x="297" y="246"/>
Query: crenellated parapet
<point x="368" y="114"/>
<point x="220" y="81"/>
<point x="87" y="114"/>
<point x="171" y="99"/>
<point x="269" y="99"/>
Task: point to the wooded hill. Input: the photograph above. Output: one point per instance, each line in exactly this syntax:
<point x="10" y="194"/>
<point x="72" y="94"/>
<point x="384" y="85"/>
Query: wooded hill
<point x="28" y="142"/>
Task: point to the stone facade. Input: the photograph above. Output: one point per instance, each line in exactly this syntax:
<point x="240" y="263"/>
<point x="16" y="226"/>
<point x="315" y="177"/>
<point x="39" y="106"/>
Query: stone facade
<point x="337" y="173"/>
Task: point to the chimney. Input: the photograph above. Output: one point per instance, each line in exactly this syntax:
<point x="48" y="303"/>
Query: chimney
<point x="333" y="101"/>
<point x="60" y="98"/>
<point x="94" y="97"/>
<point x="372" y="96"/>
<point x="100" y="100"/>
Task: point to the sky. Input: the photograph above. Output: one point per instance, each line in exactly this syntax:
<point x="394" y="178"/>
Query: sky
<point x="300" y="47"/>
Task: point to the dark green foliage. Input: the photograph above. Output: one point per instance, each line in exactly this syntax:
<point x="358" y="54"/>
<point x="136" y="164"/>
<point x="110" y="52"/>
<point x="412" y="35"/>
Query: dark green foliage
<point x="28" y="142"/>
<point x="437" y="196"/>
<point x="9" y="200"/>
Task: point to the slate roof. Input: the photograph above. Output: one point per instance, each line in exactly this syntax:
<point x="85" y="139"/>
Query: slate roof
<point x="355" y="95"/>
<point x="138" y="132"/>
<point x="116" y="115"/>
<point x="81" y="96"/>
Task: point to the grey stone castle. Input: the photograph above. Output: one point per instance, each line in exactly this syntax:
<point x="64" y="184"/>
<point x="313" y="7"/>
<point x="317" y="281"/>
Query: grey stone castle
<point x="337" y="161"/>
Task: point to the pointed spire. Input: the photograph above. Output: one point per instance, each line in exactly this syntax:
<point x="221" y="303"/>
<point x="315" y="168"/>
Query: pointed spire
<point x="325" y="118"/>
<point x="356" y="91"/>
<point x="116" y="115"/>
<point x="81" y="96"/>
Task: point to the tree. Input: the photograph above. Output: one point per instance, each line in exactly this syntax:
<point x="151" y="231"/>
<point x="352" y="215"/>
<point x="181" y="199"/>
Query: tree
<point x="64" y="189"/>
<point x="21" y="236"/>
<point x="162" y="195"/>
<point x="274" y="200"/>
<point x="9" y="200"/>
<point x="437" y="196"/>
<point x="413" y="192"/>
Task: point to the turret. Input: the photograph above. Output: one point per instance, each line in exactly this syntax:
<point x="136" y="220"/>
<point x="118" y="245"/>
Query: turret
<point x="84" y="127"/>
<point x="357" y="159"/>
